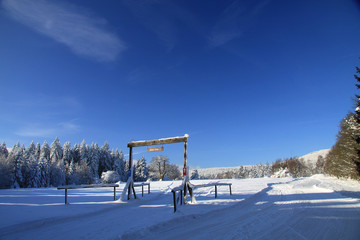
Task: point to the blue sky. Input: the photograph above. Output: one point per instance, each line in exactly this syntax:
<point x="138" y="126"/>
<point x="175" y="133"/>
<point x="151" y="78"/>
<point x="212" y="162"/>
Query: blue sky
<point x="249" y="81"/>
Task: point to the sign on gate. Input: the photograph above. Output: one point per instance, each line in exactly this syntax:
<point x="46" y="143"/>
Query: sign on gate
<point x="155" y="149"/>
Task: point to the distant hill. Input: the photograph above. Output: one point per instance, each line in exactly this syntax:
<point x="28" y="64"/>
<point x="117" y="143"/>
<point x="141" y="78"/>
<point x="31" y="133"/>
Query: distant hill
<point x="310" y="159"/>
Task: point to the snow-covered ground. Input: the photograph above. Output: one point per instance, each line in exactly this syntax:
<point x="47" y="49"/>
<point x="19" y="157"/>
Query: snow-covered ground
<point x="317" y="207"/>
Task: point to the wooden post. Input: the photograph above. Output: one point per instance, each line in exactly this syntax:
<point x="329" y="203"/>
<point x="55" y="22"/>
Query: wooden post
<point x="230" y="189"/>
<point x="215" y="191"/>
<point x="114" y="193"/>
<point x="142" y="190"/>
<point x="133" y="188"/>
<point x="174" y="197"/>
<point x="149" y="188"/>
<point x="185" y="156"/>
<point x="130" y="164"/>
<point x="66" y="202"/>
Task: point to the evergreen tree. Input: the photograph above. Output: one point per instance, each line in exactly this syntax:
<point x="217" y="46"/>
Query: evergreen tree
<point x="15" y="161"/>
<point x="319" y="167"/>
<point x="194" y="174"/>
<point x="44" y="162"/>
<point x="105" y="161"/>
<point x="84" y="152"/>
<point x="94" y="155"/>
<point x="37" y="151"/>
<point x="343" y="159"/>
<point x="3" y="150"/>
<point x="67" y="158"/>
<point x="26" y="169"/>
<point x="357" y="118"/>
<point x="141" y="171"/>
<point x="57" y="167"/>
<point x="31" y="149"/>
<point x="118" y="162"/>
<point x="6" y="177"/>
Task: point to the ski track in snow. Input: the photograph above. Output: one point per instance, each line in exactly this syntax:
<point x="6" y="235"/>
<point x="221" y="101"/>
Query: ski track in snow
<point x="318" y="207"/>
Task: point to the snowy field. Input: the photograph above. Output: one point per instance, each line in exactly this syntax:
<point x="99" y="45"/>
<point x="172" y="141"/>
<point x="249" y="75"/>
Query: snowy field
<point x="317" y="207"/>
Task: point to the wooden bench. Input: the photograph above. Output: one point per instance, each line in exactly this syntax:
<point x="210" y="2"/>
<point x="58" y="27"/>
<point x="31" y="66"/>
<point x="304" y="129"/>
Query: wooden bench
<point x="87" y="186"/>
<point x="142" y="187"/>
<point x="191" y="187"/>
<point x="216" y="184"/>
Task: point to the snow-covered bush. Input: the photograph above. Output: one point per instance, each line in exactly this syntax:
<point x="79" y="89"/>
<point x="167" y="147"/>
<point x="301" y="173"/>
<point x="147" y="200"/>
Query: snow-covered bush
<point x="110" y="177"/>
<point x="283" y="172"/>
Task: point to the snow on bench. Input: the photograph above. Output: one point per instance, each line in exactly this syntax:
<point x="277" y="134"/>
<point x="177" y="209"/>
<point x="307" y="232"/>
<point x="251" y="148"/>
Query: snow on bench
<point x="87" y="186"/>
<point x="212" y="184"/>
<point x="142" y="187"/>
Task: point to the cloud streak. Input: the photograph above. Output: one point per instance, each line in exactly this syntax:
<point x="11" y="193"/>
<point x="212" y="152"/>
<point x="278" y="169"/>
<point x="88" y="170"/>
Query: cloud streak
<point x="34" y="130"/>
<point x="233" y="21"/>
<point x="84" y="34"/>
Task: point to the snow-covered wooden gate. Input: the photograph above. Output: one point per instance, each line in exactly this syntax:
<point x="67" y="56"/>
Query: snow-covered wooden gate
<point x="129" y="187"/>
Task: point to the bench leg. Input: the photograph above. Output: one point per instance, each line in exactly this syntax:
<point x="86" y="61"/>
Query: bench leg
<point x="181" y="197"/>
<point x="174" y="197"/>
<point x="215" y="191"/>
<point x="142" y="190"/>
<point x="148" y="188"/>
<point x="230" y="189"/>
<point x="133" y="188"/>
<point x="66" y="196"/>
<point x="114" y="193"/>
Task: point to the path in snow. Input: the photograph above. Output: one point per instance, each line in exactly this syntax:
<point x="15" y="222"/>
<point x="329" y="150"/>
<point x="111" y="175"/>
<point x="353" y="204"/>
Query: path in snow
<point x="301" y="209"/>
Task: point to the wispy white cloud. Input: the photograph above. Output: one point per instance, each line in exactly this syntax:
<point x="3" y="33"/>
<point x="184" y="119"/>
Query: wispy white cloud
<point x="35" y="130"/>
<point x="83" y="33"/>
<point x="162" y="17"/>
<point x="233" y="21"/>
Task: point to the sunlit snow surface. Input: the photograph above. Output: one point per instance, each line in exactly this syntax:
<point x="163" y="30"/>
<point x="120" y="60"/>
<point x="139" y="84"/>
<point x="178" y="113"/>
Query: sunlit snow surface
<point x="318" y="207"/>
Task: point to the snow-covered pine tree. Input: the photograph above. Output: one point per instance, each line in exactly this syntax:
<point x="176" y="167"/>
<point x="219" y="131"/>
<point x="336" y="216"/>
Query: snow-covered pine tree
<point x="15" y="160"/>
<point x="83" y="173"/>
<point x="105" y="161"/>
<point x="194" y="174"/>
<point x="37" y="151"/>
<point x="357" y="118"/>
<point x="35" y="177"/>
<point x="84" y="152"/>
<point x="44" y="165"/>
<point x="6" y="177"/>
<point x="118" y="162"/>
<point x="73" y="177"/>
<point x="343" y="159"/>
<point x="57" y="167"/>
<point x="141" y="171"/>
<point x="26" y="169"/>
<point x="67" y="158"/>
<point x="31" y="149"/>
<point x="94" y="155"/>
<point x="76" y="153"/>
<point x="3" y="150"/>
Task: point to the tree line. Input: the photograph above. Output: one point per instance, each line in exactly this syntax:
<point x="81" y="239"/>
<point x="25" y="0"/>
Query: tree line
<point x="56" y="165"/>
<point x="343" y="159"/>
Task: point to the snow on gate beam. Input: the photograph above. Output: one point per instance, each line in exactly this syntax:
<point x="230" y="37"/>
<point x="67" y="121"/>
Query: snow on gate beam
<point x="158" y="141"/>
